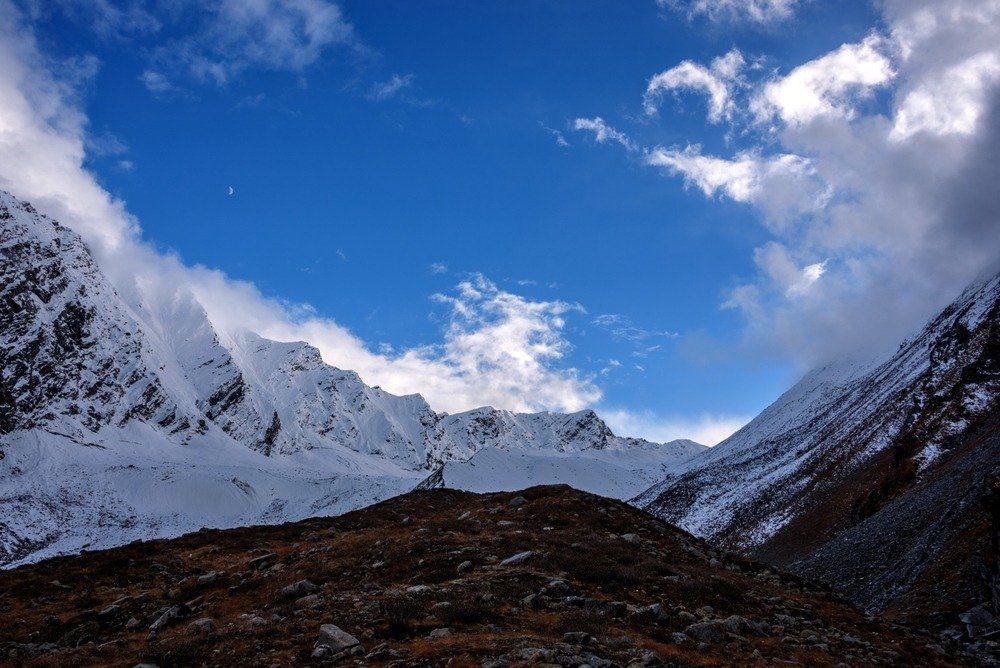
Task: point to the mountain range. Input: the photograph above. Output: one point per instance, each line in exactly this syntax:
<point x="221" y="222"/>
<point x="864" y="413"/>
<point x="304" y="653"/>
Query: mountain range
<point x="125" y="414"/>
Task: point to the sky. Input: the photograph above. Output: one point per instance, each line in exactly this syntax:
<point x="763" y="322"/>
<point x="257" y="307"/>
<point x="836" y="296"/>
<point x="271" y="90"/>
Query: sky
<point x="665" y="210"/>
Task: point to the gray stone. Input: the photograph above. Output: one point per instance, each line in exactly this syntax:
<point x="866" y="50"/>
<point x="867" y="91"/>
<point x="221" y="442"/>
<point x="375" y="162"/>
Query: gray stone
<point x="336" y="639"/>
<point x="577" y="638"/>
<point x="310" y="601"/>
<point x="167" y="616"/>
<point x="263" y="561"/>
<point x="201" y="626"/>
<point x="465" y="566"/>
<point x="441" y="633"/>
<point x="299" y="589"/>
<point x="517" y="502"/>
<point x="740" y="625"/>
<point x="110" y="611"/>
<point x="518" y="558"/>
<point x="631" y="538"/>
<point x="207" y="578"/>
<point x="418" y="589"/>
<point x="705" y="632"/>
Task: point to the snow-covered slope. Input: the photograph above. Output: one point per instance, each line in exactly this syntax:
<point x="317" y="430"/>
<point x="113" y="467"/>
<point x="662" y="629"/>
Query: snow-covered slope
<point x="124" y="413"/>
<point x="881" y="478"/>
<point x="836" y="421"/>
<point x="618" y="473"/>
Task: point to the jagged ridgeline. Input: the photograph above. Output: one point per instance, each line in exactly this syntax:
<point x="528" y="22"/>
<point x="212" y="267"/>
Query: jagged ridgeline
<point x="124" y="414"/>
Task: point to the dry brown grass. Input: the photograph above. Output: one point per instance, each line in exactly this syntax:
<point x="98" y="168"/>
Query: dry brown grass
<point x="364" y="562"/>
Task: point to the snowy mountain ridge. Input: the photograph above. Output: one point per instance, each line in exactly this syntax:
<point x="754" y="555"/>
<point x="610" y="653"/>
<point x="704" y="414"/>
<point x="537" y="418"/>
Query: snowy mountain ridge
<point x="881" y="479"/>
<point x="836" y="420"/>
<point x="111" y="398"/>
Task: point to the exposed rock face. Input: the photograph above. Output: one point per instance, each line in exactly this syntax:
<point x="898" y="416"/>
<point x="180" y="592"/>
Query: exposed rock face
<point x="877" y="478"/>
<point x="71" y="355"/>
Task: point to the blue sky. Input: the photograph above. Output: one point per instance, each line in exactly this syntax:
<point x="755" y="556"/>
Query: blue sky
<point x="420" y="145"/>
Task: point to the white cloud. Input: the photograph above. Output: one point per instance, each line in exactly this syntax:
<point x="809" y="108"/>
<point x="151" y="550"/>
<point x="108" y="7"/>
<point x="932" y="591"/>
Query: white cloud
<point x="155" y="82"/>
<point x="754" y="11"/>
<point x="706" y="429"/>
<point x="560" y="139"/>
<point x="227" y="37"/>
<point x="386" y="90"/>
<point x="603" y="132"/>
<point x="951" y="102"/>
<point x="829" y="85"/>
<point x="499" y="348"/>
<point x="874" y="169"/>
<point x="715" y="81"/>
<point x="785" y="185"/>
<point x="438" y="268"/>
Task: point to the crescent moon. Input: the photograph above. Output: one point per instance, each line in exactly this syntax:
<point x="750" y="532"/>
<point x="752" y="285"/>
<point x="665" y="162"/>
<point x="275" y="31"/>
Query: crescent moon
<point x="231" y="191"/>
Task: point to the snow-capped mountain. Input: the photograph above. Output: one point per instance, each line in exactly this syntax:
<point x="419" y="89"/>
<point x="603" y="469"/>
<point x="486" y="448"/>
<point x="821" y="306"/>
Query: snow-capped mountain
<point x="125" y="414"/>
<point x="872" y="476"/>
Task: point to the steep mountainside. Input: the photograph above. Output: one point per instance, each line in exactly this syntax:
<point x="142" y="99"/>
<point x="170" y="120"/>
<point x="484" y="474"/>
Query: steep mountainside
<point x="125" y="414"/>
<point x="550" y="576"/>
<point x="879" y="478"/>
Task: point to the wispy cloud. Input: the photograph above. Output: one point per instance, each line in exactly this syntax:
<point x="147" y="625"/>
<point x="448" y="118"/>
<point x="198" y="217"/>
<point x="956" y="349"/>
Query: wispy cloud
<point x="622" y="327"/>
<point x="381" y="91"/>
<point x="604" y="132"/>
<point x="741" y="11"/>
<point x="438" y="268"/>
<point x="557" y="134"/>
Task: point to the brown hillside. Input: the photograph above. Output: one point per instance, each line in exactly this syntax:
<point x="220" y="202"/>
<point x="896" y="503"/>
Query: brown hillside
<point x="604" y="585"/>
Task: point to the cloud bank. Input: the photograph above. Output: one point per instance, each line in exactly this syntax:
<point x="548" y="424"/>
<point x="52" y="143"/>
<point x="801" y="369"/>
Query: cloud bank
<point x="872" y="167"/>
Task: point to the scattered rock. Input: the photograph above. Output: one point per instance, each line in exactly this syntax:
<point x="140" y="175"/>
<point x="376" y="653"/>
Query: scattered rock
<point x="441" y="633"/>
<point x="207" y="578"/>
<point x="299" y="589"/>
<point x="310" y="601"/>
<point x="201" y="626"/>
<point x="517" y="502"/>
<point x="577" y="638"/>
<point x="336" y="639"/>
<point x="740" y="625"/>
<point x="632" y="538"/>
<point x="518" y="558"/>
<point x="263" y="561"/>
<point x="707" y="632"/>
<point x="465" y="566"/>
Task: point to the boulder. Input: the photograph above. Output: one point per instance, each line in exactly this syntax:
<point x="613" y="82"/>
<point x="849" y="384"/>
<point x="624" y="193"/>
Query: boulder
<point x="336" y="639"/>
<point x="707" y="632"/>
<point x="299" y="589"/>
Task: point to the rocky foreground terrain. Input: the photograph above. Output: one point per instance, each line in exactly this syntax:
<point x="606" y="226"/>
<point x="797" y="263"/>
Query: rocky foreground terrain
<point x="548" y="576"/>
